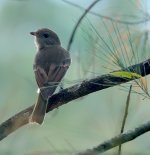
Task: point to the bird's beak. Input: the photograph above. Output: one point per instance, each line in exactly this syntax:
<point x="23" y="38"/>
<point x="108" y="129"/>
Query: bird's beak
<point x="33" y="33"/>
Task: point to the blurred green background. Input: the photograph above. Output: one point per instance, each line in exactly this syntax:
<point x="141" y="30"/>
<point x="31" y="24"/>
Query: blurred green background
<point x="85" y="122"/>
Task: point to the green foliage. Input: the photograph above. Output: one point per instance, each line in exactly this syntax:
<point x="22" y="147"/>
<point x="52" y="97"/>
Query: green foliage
<point x="129" y="75"/>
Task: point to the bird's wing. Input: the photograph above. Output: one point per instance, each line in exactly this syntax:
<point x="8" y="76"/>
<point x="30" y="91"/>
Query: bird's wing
<point x="41" y="76"/>
<point x="48" y="83"/>
<point x="56" y="73"/>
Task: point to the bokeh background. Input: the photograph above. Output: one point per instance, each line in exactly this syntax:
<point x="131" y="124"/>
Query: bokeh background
<point x="88" y="121"/>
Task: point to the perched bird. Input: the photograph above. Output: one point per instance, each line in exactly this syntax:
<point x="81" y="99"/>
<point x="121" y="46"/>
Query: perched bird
<point x="50" y="65"/>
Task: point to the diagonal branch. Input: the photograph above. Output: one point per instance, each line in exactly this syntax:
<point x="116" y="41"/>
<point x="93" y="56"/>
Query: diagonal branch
<point x="72" y="93"/>
<point x="120" y="139"/>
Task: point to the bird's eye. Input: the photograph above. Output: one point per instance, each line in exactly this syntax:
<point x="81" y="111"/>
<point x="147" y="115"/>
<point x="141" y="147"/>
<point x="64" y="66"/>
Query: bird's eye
<point x="45" y="35"/>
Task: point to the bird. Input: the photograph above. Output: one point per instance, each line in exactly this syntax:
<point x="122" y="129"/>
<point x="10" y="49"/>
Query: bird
<point x="50" y="66"/>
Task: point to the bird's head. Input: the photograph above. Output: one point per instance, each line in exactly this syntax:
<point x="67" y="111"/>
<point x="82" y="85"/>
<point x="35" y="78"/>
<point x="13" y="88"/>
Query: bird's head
<point x="45" y="37"/>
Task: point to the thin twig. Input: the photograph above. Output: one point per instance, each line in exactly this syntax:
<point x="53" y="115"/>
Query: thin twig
<point x="125" y="117"/>
<point x="117" y="140"/>
<point x="79" y="90"/>
<point x="78" y="23"/>
<point x="109" y="18"/>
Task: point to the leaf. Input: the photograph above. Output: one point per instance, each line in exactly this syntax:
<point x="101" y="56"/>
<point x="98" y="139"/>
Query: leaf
<point x="128" y="75"/>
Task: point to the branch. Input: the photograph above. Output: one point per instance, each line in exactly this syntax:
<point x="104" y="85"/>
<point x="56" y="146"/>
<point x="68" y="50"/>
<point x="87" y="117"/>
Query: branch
<point x="109" y="18"/>
<point x="78" y="23"/>
<point x="72" y="93"/>
<point x="120" y="139"/>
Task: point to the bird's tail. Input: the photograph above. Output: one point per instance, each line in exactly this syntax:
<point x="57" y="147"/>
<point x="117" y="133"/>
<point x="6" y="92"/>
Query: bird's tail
<point x="39" y="110"/>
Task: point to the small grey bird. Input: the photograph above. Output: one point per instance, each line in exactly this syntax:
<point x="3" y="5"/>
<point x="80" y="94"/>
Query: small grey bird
<point x="50" y="65"/>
